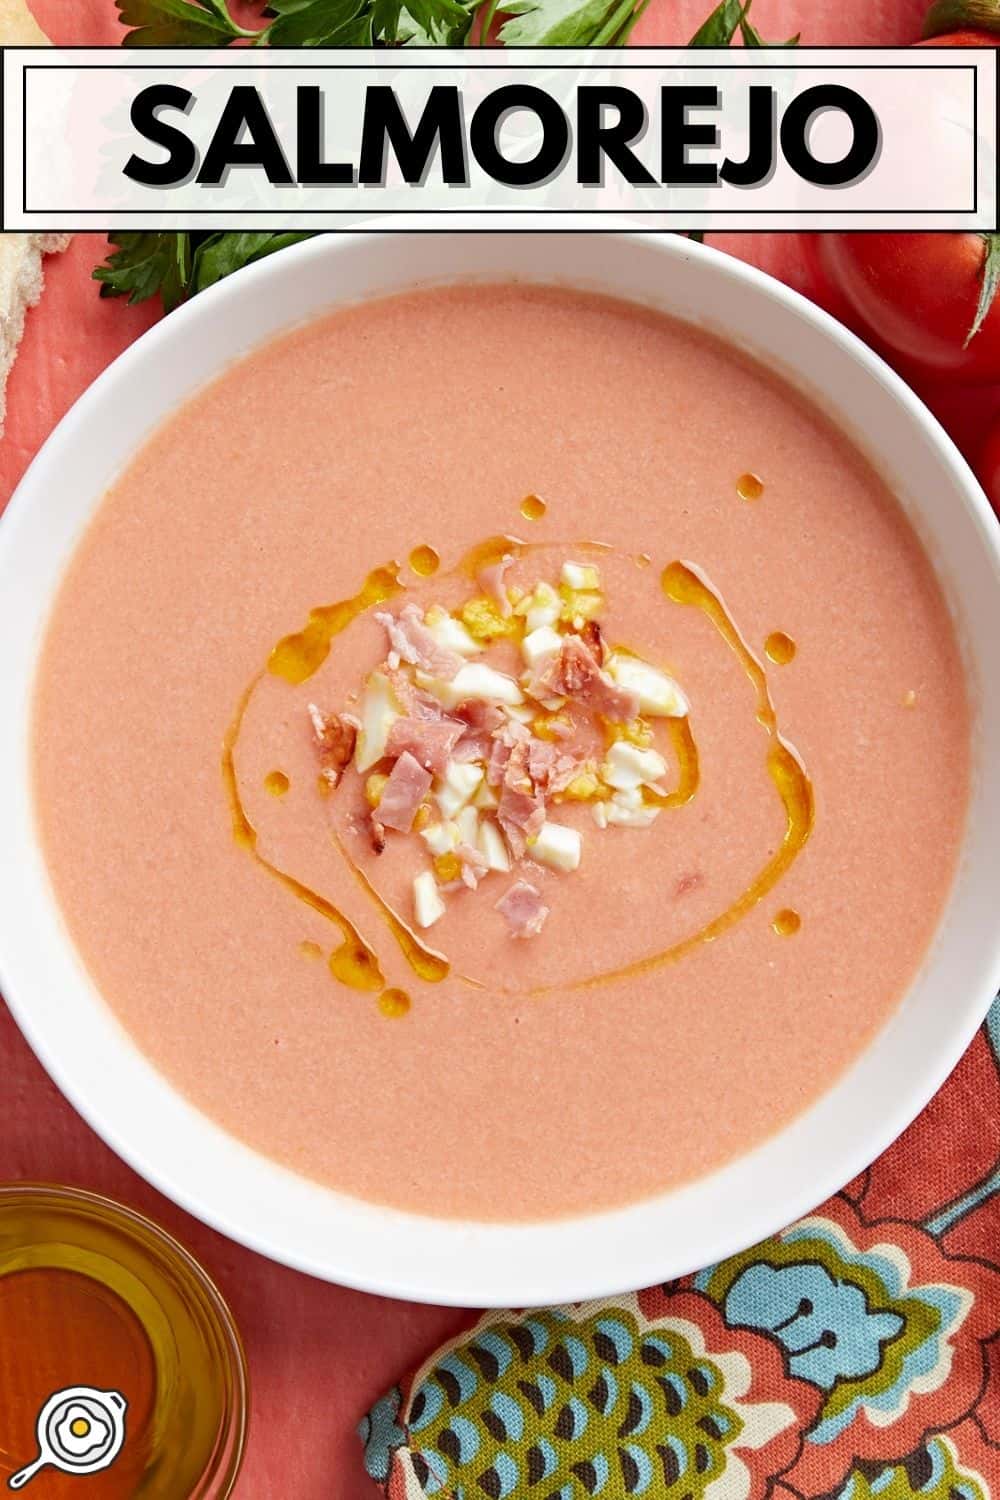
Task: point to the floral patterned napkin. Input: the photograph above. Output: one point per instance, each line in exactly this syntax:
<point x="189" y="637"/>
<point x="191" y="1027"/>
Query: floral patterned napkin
<point x="854" y="1356"/>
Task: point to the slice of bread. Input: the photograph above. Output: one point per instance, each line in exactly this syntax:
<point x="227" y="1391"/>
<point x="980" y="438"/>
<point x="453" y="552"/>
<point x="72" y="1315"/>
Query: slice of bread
<point x="18" y="27"/>
<point x="20" y="288"/>
<point x="20" y="254"/>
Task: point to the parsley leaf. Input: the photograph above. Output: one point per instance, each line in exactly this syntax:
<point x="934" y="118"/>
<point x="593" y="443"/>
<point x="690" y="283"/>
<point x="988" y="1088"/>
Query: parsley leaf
<point x="445" y="22"/>
<point x="220" y="254"/>
<point x="179" y="265"/>
<point x="721" y="26"/>
<point x="313" y="23"/>
<point x="299" y="23"/>
<point x="454" y="33"/>
<point x="178" y="23"/>
<point x="144" y="264"/>
<point x="728" y="18"/>
<point x="566" y="23"/>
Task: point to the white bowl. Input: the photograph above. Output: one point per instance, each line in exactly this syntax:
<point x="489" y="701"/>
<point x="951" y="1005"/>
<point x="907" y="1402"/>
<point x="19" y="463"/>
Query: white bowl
<point x="261" y="1204"/>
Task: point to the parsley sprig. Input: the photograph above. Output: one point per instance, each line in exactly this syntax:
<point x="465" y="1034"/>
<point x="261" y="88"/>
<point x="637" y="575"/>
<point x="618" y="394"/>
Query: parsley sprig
<point x="178" y="265"/>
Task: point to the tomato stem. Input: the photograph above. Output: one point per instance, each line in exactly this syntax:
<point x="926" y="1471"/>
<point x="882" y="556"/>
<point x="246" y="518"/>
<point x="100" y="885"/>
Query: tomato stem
<point x="962" y="15"/>
<point x="990" y="280"/>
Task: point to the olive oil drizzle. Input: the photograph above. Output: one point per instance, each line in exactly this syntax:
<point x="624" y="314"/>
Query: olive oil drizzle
<point x="296" y="657"/>
<point x="425" y="962"/>
<point x="353" y="963"/>
<point x="684" y="584"/>
<point x="689" y="770"/>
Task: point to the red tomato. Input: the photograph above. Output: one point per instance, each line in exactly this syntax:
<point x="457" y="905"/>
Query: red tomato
<point x="915" y="296"/>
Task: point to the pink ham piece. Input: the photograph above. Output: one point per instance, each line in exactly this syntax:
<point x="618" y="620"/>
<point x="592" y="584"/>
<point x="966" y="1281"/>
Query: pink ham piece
<point x="481" y="719"/>
<point x="524" y="910"/>
<point x="413" y="643"/>
<point x="474" y="865"/>
<point x="335" y="735"/>
<point x="414" y="703"/>
<point x="491" y="581"/>
<point x="550" y="767"/>
<point x="510" y="734"/>
<point x="480" y="715"/>
<point x="403" y="793"/>
<point x="429" y="741"/>
<point x="497" y="764"/>
<point x="575" y="674"/>
<point x="473" y="746"/>
<point x="521" y="812"/>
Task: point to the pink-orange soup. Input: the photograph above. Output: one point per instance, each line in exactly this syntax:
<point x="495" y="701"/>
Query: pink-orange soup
<point x="528" y="1081"/>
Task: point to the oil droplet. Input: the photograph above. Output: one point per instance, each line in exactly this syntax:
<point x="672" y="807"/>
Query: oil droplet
<point x="277" y="783"/>
<point x="425" y="561"/>
<point x="643" y="560"/>
<point x="787" y="922"/>
<point x="749" y="486"/>
<point x="310" y="950"/>
<point x="394" y="1003"/>
<point x="533" y="508"/>
<point x="355" y="965"/>
<point x="910" y="698"/>
<point x="779" y="647"/>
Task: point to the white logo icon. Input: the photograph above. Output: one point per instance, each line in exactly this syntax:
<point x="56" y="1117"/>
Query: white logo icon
<point x="80" y="1430"/>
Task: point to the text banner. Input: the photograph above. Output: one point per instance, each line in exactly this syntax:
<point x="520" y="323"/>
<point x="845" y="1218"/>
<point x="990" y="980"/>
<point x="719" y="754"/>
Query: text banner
<point x="525" y="139"/>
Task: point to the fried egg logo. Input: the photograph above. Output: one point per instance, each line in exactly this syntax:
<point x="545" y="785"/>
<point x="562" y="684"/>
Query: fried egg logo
<point x="80" y="1431"/>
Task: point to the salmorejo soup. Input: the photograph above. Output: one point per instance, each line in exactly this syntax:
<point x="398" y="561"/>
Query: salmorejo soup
<point x="499" y="752"/>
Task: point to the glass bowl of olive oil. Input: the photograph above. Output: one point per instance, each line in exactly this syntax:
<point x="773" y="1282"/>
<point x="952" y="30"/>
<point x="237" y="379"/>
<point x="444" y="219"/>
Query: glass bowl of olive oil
<point x="119" y="1358"/>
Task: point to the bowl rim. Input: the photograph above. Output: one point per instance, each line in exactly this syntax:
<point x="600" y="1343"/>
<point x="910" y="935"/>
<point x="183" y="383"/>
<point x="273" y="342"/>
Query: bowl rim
<point x="442" y="1274"/>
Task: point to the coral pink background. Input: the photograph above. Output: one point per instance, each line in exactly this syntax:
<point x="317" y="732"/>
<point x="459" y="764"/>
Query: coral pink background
<point x="318" y="1354"/>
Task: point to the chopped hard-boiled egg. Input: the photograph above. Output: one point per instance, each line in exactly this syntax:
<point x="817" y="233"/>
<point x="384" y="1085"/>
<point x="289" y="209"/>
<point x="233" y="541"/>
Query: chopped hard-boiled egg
<point x="580" y="576"/>
<point x="467" y="824"/>
<point x="484" y="621"/>
<point x="486" y="799"/>
<point x="427" y="904"/>
<point x="627" y="766"/>
<point x="492" y="847"/>
<point x="520" y="712"/>
<point x="627" y="809"/>
<point x="473" y="681"/>
<point x="541" y="607"/>
<point x="457" y="786"/>
<point x="379" y="711"/>
<point x="374" y="787"/>
<point x="540" y="643"/>
<point x="440" y="838"/>
<point x="658" y="694"/>
<point x="557" y="846"/>
<point x="450" y="633"/>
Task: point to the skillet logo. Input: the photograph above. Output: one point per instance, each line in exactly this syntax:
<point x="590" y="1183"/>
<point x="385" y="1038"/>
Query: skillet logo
<point x="532" y="138"/>
<point x="80" y="1430"/>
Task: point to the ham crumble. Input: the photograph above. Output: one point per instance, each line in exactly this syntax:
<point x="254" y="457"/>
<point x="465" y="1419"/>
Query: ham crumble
<point x="474" y="760"/>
